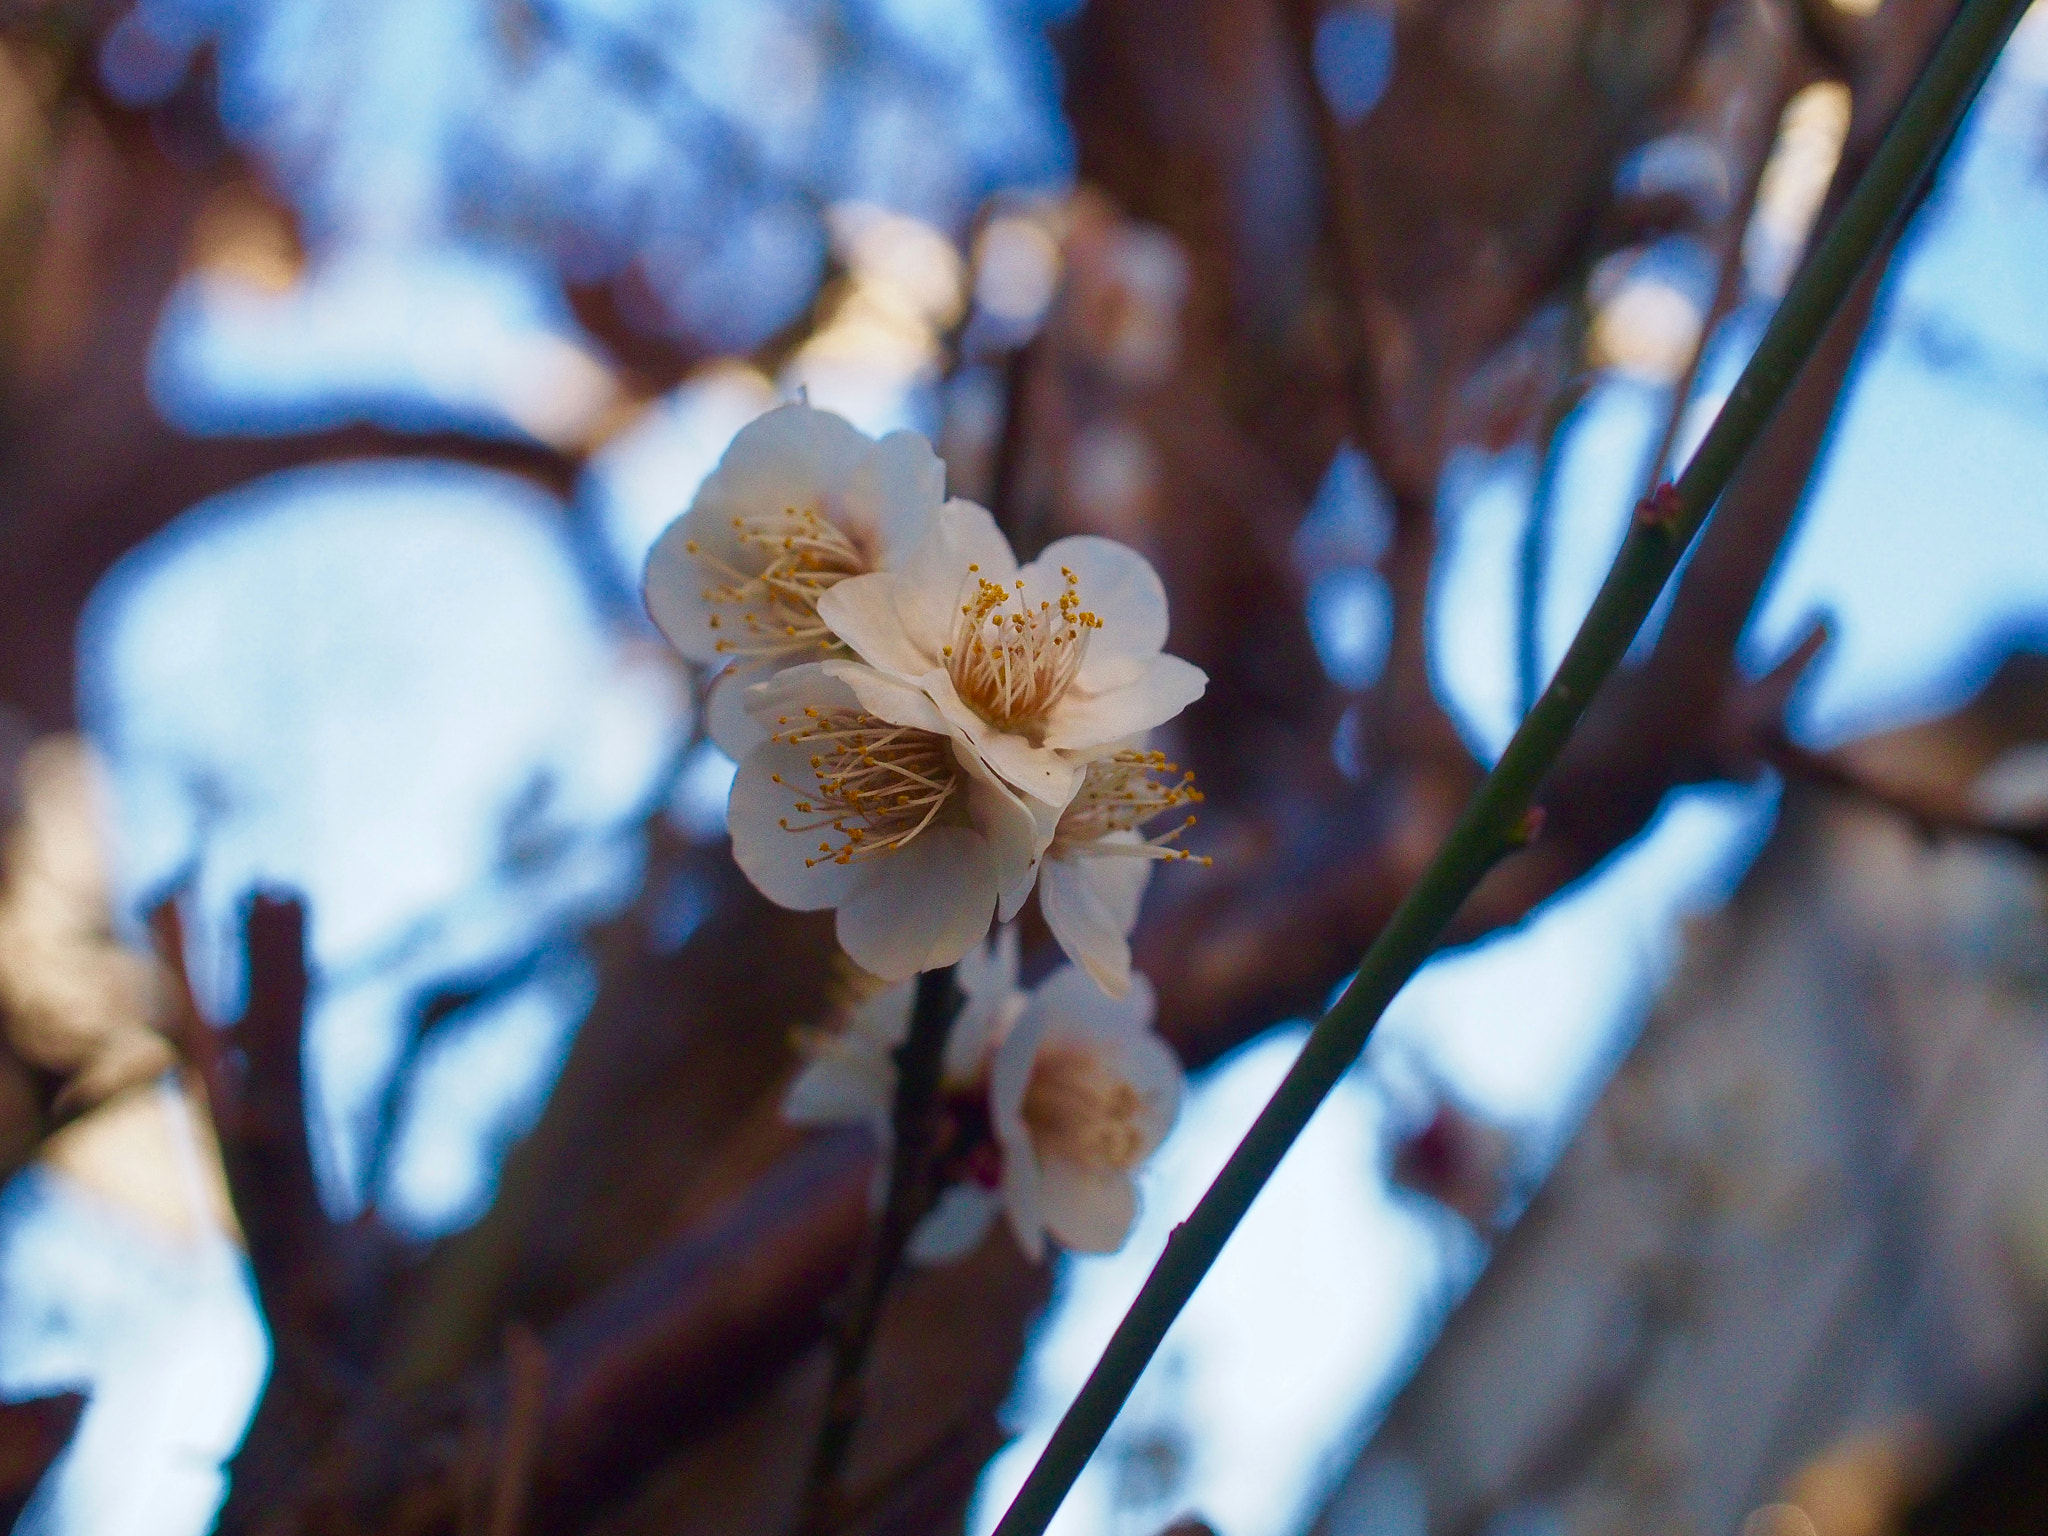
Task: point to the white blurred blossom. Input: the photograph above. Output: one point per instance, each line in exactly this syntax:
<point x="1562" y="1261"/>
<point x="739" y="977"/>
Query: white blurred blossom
<point x="1081" y="1091"/>
<point x="800" y="502"/>
<point x="1050" y="1100"/>
<point x="850" y="1079"/>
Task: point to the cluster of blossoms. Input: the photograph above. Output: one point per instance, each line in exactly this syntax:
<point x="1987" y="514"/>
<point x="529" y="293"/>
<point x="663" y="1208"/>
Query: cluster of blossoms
<point x="926" y="732"/>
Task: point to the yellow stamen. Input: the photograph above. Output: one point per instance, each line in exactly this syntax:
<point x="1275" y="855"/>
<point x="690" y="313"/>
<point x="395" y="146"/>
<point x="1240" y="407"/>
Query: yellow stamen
<point x="1011" y="662"/>
<point x="1121" y="794"/>
<point x="879" y="785"/>
<point x="804" y="555"/>
<point x="1080" y="1111"/>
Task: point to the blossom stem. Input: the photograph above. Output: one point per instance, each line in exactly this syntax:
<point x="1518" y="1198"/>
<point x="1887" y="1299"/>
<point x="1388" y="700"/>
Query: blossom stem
<point x="1498" y="818"/>
<point x="920" y="1065"/>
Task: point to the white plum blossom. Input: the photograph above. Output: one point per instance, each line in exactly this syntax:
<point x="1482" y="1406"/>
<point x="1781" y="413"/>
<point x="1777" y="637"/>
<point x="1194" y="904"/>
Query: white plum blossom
<point x="801" y="500"/>
<point x="850" y="1079"/>
<point x="1096" y="869"/>
<point x="919" y="722"/>
<point x="1039" y="670"/>
<point x="914" y="842"/>
<point x="1081" y="1091"/>
<point x="1051" y="1100"/>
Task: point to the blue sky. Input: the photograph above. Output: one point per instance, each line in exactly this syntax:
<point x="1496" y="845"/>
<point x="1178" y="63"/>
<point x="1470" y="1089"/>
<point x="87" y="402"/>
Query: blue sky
<point x="255" y="676"/>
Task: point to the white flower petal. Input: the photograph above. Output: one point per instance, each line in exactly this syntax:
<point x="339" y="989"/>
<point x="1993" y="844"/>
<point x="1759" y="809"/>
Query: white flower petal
<point x="921" y="907"/>
<point x="990" y="970"/>
<point x="843" y="1087"/>
<point x="770" y="855"/>
<point x="673" y="588"/>
<point x="896" y="492"/>
<point x="955" y="1225"/>
<point x="1149" y="1065"/>
<point x="1072" y="1007"/>
<point x="883" y="1020"/>
<point x="747" y="709"/>
<point x="1009" y="1075"/>
<point x="963" y="534"/>
<point x="1166" y="686"/>
<point x="791" y="458"/>
<point x="1022" y="1204"/>
<point x="1018" y="832"/>
<point x="1046" y="776"/>
<point x="792" y="462"/>
<point x="936" y="579"/>
<point x="987" y="975"/>
<point x="1090" y="902"/>
<point x="1117" y="585"/>
<point x="1087" y="1211"/>
<point x="1068" y="1008"/>
<point x="794" y="456"/>
<point x="868" y="613"/>
<point x="890" y="698"/>
<point x="727" y="720"/>
<point x="810" y="682"/>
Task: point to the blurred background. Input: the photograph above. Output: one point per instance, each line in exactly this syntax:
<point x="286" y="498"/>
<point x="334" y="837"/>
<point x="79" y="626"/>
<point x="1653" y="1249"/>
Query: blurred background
<point x="354" y="352"/>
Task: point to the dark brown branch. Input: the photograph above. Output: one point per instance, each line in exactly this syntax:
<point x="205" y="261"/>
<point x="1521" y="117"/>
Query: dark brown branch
<point x="659" y="1355"/>
<point x="88" y="466"/>
<point x="665" y="1352"/>
<point x="1653" y="728"/>
<point x="920" y="1065"/>
<point x="1932" y="813"/>
<point x="317" y="1281"/>
<point x="33" y="1434"/>
<point x="1766" y="48"/>
<point x="320" y="1284"/>
<point x="1289" y="908"/>
<point x="526" y="1370"/>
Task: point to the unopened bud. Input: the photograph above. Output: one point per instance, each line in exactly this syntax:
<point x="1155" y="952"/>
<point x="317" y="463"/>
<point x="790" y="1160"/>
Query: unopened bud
<point x="1659" y="510"/>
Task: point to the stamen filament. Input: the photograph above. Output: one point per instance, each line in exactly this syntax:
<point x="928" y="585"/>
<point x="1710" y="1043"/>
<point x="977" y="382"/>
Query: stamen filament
<point x="776" y="608"/>
<point x="1012" y="663"/>
<point x="1121" y="794"/>
<point x="879" y="785"/>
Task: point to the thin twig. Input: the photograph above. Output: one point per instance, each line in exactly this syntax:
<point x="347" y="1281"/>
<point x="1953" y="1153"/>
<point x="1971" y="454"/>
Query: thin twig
<point x="526" y="1370"/>
<point x="1662" y="530"/>
<point x="1728" y="283"/>
<point x="1026" y="528"/>
<point x="186" y="1026"/>
<point x="1754" y="151"/>
<point x="1930" y="817"/>
<point x="1534" y="553"/>
<point x="33" y="1434"/>
<point x="920" y="1064"/>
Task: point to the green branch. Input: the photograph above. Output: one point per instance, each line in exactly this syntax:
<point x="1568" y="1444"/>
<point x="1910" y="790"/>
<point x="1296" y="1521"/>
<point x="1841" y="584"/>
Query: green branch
<point x="1496" y="820"/>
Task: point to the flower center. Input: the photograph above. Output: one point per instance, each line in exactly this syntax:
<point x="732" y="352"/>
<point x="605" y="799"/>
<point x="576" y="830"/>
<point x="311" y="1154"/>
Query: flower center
<point x="1012" y="661"/>
<point x="773" y="614"/>
<point x="879" y="785"/>
<point x="1121" y="794"/>
<point x="1078" y="1110"/>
